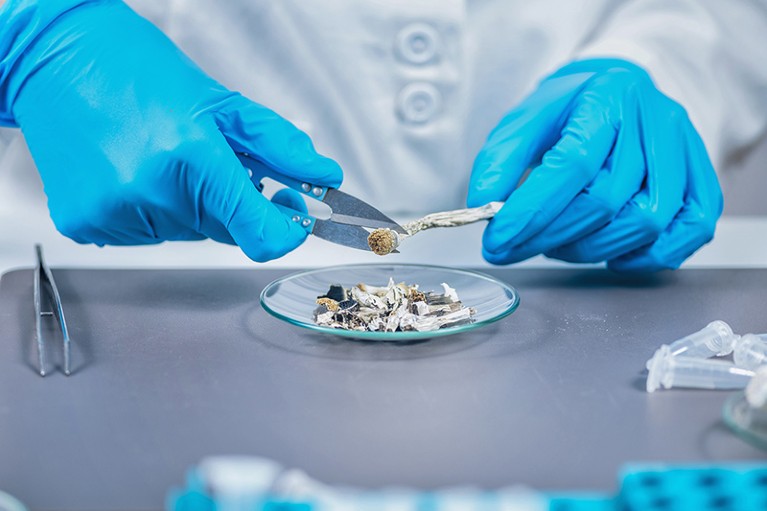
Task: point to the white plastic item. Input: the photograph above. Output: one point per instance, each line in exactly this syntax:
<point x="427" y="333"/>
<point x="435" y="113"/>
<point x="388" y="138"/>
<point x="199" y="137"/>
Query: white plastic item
<point x="236" y="483"/>
<point x="750" y="351"/>
<point x="238" y="475"/>
<point x="668" y="371"/>
<point x="716" y="339"/>
<point x="756" y="391"/>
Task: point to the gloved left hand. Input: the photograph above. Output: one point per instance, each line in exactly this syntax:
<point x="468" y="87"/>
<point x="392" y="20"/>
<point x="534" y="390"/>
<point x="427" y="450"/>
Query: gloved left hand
<point x="619" y="174"/>
<point x="134" y="143"/>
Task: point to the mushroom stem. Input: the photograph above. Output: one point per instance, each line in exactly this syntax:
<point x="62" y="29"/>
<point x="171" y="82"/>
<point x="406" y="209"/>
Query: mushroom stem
<point x="385" y="241"/>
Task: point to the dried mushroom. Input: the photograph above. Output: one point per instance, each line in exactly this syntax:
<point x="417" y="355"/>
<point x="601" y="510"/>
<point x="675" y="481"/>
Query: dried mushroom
<point x="391" y="308"/>
<point x="385" y="241"/>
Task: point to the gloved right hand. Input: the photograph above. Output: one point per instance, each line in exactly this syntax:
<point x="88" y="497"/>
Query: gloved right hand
<point x="134" y="143"/>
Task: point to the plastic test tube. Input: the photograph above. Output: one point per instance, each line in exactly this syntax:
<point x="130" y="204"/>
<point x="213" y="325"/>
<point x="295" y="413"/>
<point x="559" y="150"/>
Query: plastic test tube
<point x="716" y="339"/>
<point x="750" y="351"/>
<point x="667" y="371"/>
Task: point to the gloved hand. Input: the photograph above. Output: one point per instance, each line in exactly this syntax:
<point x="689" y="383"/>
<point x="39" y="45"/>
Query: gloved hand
<point x="134" y="143"/>
<point x="619" y="174"/>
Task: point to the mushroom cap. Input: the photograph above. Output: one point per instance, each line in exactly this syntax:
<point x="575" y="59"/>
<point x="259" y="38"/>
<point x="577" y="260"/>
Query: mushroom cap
<point x="382" y="241"/>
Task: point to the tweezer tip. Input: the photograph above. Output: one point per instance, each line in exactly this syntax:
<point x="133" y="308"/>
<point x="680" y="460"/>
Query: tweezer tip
<point x="42" y="372"/>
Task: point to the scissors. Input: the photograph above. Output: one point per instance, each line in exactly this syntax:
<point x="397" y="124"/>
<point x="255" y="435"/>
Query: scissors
<point x="348" y="220"/>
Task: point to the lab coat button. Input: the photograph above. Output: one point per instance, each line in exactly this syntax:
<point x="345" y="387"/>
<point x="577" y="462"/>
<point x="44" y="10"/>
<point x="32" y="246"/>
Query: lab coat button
<point x="418" y="102"/>
<point x="417" y="43"/>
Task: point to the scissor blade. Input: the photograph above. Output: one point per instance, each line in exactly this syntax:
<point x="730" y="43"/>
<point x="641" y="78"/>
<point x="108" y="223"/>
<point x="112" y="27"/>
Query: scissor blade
<point x="348" y="209"/>
<point x="348" y="235"/>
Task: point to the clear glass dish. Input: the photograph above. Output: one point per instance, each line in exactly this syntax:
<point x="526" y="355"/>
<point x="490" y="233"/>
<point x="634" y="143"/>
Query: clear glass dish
<point x="747" y="422"/>
<point x="292" y="298"/>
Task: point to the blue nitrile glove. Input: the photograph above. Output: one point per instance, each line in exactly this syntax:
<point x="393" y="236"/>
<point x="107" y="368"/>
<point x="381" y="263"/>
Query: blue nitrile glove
<point x="134" y="143"/>
<point x="619" y="173"/>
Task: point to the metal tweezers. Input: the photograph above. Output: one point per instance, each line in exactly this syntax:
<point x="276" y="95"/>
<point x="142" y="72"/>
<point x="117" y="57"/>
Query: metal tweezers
<point x="46" y="286"/>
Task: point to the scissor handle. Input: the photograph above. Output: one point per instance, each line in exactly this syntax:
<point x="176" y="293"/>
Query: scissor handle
<point x="303" y="219"/>
<point x="258" y="171"/>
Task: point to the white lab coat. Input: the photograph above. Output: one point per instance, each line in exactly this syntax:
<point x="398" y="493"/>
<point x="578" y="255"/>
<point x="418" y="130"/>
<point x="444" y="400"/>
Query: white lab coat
<point x="402" y="93"/>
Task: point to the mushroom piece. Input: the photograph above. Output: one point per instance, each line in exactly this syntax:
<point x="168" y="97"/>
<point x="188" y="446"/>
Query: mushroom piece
<point x="385" y="241"/>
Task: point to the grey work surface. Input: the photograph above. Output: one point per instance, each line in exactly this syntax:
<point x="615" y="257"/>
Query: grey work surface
<point x="172" y="366"/>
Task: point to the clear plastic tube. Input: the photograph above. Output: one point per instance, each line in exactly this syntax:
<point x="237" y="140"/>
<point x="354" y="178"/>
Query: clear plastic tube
<point x="669" y="371"/>
<point x="716" y="339"/>
<point x="750" y="351"/>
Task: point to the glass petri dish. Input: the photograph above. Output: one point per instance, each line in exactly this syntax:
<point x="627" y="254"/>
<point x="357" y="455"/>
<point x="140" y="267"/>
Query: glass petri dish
<point x="292" y="298"/>
<point x="747" y="422"/>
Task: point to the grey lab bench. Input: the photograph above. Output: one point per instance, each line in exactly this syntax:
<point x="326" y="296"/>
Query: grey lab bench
<point x="173" y="366"/>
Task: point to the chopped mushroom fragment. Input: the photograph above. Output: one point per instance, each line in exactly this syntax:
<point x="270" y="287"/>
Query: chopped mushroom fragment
<point x="391" y="308"/>
<point x="328" y="303"/>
